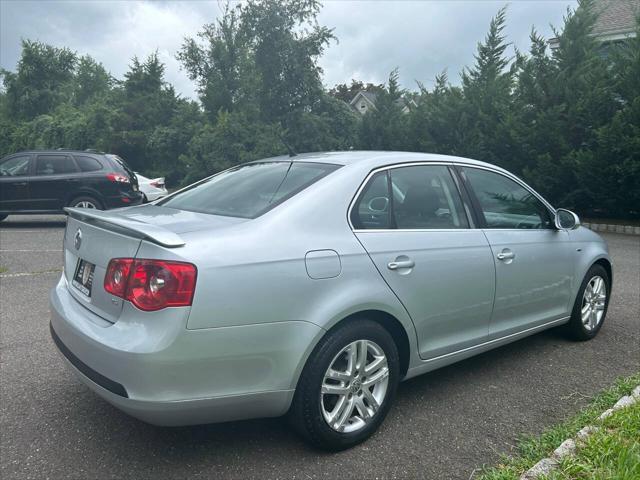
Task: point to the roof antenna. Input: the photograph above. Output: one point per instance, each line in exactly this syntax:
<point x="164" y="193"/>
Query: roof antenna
<point x="291" y="151"/>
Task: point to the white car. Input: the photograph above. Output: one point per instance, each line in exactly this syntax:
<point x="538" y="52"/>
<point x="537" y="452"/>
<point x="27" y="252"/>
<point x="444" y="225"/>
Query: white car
<point x="152" y="188"/>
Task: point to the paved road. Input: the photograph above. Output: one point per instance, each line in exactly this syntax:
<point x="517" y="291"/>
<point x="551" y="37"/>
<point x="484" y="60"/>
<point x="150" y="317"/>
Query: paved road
<point x="444" y="424"/>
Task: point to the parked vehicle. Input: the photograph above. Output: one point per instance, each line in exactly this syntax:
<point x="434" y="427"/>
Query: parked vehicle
<point x="314" y="284"/>
<point x="46" y="181"/>
<point x="151" y="188"/>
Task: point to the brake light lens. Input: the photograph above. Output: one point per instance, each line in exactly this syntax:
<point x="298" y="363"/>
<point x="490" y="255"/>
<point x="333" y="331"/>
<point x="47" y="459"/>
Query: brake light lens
<point x="157" y="184"/>
<point x="151" y="284"/>
<point x="118" y="178"/>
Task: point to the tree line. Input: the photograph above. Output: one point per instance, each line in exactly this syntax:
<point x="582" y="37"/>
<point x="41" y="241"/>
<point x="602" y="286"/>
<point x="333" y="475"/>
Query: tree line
<point x="567" y="120"/>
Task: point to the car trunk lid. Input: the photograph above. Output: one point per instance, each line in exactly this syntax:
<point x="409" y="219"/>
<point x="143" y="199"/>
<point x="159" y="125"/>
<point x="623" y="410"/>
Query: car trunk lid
<point x="93" y="237"/>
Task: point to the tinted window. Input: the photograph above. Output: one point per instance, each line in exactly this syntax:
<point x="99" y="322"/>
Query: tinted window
<point x="54" y="165"/>
<point x="15" y="166"/>
<point x="372" y="209"/>
<point x="426" y="197"/>
<point x="505" y="203"/>
<point x="88" y="164"/>
<point x="249" y="190"/>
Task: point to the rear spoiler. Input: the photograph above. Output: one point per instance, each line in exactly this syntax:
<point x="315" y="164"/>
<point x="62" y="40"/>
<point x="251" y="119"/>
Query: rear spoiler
<point x="112" y="221"/>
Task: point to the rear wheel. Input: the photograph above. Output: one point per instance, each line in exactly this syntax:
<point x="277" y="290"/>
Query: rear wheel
<point x="347" y="386"/>
<point x="85" y="202"/>
<point x="590" y="307"/>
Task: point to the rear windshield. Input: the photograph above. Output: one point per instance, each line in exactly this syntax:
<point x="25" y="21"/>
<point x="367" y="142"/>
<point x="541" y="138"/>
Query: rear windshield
<point x="249" y="190"/>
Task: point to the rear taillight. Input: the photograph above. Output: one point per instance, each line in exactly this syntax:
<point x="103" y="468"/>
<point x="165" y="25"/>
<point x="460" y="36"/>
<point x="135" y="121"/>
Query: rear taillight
<point x="117" y="177"/>
<point x="151" y="284"/>
<point x="157" y="184"/>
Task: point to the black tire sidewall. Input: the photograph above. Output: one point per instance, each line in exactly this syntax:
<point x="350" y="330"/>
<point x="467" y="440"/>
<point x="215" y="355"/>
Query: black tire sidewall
<point x="575" y="326"/>
<point x="307" y="409"/>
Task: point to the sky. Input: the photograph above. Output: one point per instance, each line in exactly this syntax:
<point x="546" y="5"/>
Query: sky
<point x="421" y="38"/>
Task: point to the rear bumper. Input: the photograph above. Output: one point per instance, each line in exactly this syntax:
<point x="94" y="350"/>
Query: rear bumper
<point x="123" y="199"/>
<point x="160" y="372"/>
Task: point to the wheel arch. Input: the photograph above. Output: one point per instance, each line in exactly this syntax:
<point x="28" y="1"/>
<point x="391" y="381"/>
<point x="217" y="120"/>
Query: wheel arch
<point x="388" y="321"/>
<point x="84" y="192"/>
<point x="606" y="264"/>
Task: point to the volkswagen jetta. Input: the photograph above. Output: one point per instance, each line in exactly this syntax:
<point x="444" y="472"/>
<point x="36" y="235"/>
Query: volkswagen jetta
<point x="312" y="285"/>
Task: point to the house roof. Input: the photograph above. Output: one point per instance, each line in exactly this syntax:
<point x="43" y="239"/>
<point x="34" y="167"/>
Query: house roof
<point x="371" y="98"/>
<point x="616" y="16"/>
<point x="616" y="20"/>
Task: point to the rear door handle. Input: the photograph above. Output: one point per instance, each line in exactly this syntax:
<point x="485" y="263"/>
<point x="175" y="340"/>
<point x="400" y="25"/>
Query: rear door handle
<point x="506" y="254"/>
<point x="401" y="264"/>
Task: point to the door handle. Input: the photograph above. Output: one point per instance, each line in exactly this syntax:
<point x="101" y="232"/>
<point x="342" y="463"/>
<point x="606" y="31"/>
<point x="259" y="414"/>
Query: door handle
<point x="401" y="264"/>
<point x="20" y="184"/>
<point x="506" y="254"/>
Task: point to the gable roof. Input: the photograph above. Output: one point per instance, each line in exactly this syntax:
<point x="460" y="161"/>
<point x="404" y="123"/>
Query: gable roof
<point x="368" y="96"/>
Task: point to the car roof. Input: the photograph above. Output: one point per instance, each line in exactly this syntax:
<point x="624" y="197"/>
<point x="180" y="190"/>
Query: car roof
<point x="374" y="158"/>
<point x="63" y="150"/>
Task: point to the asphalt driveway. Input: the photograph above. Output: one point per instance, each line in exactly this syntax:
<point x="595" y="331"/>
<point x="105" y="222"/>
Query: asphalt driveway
<point x="444" y="424"/>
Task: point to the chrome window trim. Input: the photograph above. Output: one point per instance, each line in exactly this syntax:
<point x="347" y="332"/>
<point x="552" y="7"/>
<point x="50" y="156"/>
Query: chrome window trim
<point x="450" y="164"/>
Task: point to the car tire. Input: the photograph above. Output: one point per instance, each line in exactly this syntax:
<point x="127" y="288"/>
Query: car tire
<point x="84" y="201"/>
<point x="591" y="304"/>
<point x="313" y="405"/>
<point x="2" y="217"/>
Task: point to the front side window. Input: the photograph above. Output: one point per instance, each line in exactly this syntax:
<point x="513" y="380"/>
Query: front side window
<point x="505" y="203"/>
<point x="249" y="190"/>
<point x="424" y="197"/>
<point x="54" y="165"/>
<point x="15" y="166"/>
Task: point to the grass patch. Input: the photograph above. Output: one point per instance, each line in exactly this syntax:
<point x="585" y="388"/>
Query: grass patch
<point x="612" y="453"/>
<point x="533" y="449"/>
<point x="3" y="269"/>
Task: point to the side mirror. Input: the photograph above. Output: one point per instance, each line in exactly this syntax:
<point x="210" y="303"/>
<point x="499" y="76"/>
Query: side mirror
<point x="566" y="220"/>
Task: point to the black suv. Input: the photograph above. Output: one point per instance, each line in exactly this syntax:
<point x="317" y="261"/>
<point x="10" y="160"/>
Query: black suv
<point x="46" y="181"/>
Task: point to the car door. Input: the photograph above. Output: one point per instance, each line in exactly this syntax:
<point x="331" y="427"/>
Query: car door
<point x="533" y="260"/>
<point x="49" y="187"/>
<point x="14" y="183"/>
<point x="421" y="241"/>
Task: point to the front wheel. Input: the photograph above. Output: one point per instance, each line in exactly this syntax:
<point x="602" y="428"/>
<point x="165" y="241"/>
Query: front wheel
<point x="347" y="386"/>
<point x="590" y="307"/>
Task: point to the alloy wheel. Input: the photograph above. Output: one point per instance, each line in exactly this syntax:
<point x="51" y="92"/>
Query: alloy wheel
<point x="593" y="303"/>
<point x="85" y="204"/>
<point x="354" y="386"/>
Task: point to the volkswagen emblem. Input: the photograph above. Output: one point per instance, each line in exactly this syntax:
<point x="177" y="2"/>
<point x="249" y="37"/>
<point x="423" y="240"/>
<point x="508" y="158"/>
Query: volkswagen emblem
<point x="77" y="239"/>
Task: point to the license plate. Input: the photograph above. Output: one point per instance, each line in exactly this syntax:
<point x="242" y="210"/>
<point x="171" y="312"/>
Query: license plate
<point x="83" y="278"/>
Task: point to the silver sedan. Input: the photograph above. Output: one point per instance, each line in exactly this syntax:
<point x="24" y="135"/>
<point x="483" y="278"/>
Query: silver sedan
<point x="312" y="285"/>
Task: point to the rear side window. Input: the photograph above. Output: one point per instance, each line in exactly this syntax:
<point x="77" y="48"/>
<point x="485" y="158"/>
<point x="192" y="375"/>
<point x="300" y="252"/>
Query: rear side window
<point x="54" y="165"/>
<point x="88" y="164"/>
<point x="15" y="166"/>
<point x="249" y="190"/>
<point x="424" y="197"/>
<point x="372" y="210"/>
